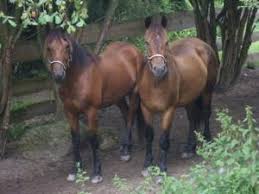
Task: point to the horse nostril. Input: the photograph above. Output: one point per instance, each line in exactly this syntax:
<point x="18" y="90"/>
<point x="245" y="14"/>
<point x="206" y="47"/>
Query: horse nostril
<point x="164" y="68"/>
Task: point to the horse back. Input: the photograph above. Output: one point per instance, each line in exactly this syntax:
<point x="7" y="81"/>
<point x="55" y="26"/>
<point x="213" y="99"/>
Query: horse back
<point x="197" y="64"/>
<point x="119" y="66"/>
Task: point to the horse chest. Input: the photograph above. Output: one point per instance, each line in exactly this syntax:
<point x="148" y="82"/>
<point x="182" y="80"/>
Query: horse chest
<point x="157" y="98"/>
<point x="73" y="100"/>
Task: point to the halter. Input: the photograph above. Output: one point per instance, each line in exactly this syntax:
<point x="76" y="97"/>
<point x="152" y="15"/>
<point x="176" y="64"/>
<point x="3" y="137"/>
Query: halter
<point x="59" y="62"/>
<point x="154" y="56"/>
<point x="157" y="55"/>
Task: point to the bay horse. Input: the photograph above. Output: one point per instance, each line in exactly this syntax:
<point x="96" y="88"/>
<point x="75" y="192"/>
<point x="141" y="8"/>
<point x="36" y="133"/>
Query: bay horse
<point x="88" y="82"/>
<point x="179" y="75"/>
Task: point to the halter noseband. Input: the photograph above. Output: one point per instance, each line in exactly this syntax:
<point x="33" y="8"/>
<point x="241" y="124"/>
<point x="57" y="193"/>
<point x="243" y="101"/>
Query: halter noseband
<point x="59" y="62"/>
<point x="156" y="55"/>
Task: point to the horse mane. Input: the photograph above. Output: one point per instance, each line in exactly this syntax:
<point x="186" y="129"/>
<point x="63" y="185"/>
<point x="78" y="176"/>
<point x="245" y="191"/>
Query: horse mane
<point x="80" y="56"/>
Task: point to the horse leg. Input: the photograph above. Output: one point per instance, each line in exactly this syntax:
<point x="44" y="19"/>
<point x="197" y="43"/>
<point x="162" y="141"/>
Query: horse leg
<point x="124" y="109"/>
<point x="92" y="123"/>
<point x="149" y="135"/>
<point x="126" y="136"/>
<point x="206" y="103"/>
<point x="75" y="134"/>
<point x="194" y="115"/>
<point x="164" y="141"/>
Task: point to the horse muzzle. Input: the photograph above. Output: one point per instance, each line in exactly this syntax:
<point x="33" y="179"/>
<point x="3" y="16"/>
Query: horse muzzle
<point x="59" y="77"/>
<point x="159" y="71"/>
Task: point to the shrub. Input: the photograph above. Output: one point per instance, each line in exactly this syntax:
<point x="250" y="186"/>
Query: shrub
<point x="230" y="166"/>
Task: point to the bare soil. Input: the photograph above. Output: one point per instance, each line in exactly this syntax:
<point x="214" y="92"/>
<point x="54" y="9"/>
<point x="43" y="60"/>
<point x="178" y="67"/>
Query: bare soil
<point x="41" y="175"/>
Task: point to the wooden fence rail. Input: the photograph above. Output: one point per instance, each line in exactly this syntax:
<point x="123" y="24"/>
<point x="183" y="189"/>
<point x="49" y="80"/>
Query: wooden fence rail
<point x="26" y="51"/>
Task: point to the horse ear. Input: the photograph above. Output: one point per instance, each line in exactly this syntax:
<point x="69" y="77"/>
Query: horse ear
<point x="148" y="21"/>
<point x="164" y="21"/>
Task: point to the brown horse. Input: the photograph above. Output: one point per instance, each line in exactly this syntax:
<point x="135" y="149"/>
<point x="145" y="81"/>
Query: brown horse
<point x="88" y="82"/>
<point x="181" y="75"/>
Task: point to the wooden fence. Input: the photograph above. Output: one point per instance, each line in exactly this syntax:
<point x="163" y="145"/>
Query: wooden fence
<point x="27" y="51"/>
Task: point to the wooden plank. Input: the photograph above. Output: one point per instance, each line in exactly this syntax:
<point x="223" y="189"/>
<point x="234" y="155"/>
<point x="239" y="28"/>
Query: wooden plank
<point x="176" y="21"/>
<point x="26" y="51"/>
<point x="42" y="108"/>
<point x="23" y="87"/>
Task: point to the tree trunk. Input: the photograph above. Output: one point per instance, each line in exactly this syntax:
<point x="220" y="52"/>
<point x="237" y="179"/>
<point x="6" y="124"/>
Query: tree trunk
<point x="11" y="38"/>
<point x="6" y="69"/>
<point x="106" y="25"/>
<point x="236" y="25"/>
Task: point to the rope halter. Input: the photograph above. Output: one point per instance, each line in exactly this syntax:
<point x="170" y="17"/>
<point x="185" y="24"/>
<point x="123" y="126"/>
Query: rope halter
<point x="59" y="62"/>
<point x="156" y="55"/>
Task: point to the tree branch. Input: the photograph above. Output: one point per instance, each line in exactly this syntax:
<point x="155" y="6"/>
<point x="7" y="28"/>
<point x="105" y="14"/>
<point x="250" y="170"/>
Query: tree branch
<point x="106" y="25"/>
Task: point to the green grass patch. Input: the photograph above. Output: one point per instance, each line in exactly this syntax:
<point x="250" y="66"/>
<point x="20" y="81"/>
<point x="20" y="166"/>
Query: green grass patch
<point x="254" y="48"/>
<point x="20" y="105"/>
<point x="17" y="131"/>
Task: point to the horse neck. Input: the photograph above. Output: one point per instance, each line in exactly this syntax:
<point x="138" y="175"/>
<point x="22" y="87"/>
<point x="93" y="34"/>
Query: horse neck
<point x="83" y="62"/>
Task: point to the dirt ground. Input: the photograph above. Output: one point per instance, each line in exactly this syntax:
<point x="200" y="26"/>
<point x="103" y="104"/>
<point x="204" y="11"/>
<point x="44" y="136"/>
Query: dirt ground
<point x="20" y="175"/>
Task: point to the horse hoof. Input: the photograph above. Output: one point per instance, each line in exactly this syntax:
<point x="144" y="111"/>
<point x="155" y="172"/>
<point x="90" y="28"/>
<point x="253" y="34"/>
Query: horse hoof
<point x="159" y="180"/>
<point x="71" y="177"/>
<point x="96" y="179"/>
<point x="187" y="155"/>
<point x="125" y="158"/>
<point x="145" y="173"/>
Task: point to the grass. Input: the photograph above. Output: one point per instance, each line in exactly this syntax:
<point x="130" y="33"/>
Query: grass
<point x="16" y="131"/>
<point x="254" y="48"/>
<point x="20" y="105"/>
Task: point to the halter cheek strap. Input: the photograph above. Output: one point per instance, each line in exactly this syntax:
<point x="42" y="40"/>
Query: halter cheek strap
<point x="59" y="62"/>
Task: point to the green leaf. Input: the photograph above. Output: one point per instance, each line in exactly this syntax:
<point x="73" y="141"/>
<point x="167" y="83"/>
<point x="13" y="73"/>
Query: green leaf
<point x="12" y="23"/>
<point x="58" y="19"/>
<point x="74" y="18"/>
<point x="48" y="18"/>
<point x="81" y="23"/>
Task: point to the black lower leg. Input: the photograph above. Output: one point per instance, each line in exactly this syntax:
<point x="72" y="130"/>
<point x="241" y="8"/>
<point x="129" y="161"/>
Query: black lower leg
<point x="76" y="150"/>
<point x="149" y="134"/>
<point x="126" y="142"/>
<point x="191" y="142"/>
<point x="206" y="132"/>
<point x="164" y="146"/>
<point x="96" y="160"/>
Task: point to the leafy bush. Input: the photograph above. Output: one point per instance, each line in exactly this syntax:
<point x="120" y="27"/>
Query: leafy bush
<point x="81" y="179"/>
<point x="230" y="166"/>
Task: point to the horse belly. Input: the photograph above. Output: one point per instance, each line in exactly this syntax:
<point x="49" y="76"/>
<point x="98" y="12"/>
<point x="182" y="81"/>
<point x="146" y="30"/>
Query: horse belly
<point x="115" y="88"/>
<point x="192" y="85"/>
